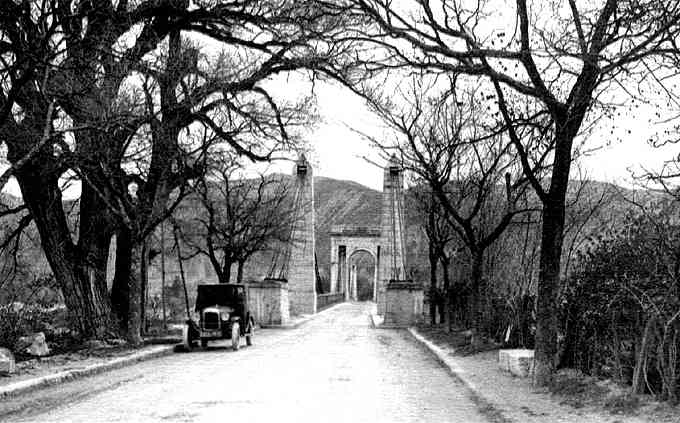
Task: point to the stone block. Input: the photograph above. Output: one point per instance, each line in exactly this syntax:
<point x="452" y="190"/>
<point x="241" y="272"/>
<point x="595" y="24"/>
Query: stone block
<point x="268" y="302"/>
<point x="519" y="362"/>
<point x="403" y="303"/>
<point x="7" y="362"/>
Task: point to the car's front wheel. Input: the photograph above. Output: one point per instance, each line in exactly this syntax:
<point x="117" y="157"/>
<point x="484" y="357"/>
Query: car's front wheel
<point x="235" y="336"/>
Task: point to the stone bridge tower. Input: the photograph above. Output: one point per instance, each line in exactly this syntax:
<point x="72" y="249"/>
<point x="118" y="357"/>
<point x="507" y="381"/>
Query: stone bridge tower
<point x="301" y="266"/>
<point x="391" y="260"/>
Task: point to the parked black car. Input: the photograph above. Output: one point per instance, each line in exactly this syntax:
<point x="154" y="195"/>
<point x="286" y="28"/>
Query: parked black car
<point x="223" y="314"/>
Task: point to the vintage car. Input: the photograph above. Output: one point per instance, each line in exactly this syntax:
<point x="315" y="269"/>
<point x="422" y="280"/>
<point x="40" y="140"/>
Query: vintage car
<point x="222" y="314"/>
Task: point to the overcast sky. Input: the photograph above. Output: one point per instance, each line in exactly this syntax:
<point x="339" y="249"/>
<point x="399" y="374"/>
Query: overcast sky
<point x="338" y="151"/>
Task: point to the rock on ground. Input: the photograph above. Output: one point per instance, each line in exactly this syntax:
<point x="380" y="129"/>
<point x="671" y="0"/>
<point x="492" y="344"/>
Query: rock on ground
<point x="38" y="345"/>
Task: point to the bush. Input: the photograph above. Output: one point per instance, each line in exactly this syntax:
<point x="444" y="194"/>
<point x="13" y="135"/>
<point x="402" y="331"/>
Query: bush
<point x="18" y="319"/>
<point x="619" y="309"/>
<point x="29" y="308"/>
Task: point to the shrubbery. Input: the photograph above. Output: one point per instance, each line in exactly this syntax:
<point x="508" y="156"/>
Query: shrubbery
<point x="31" y="307"/>
<point x="620" y="308"/>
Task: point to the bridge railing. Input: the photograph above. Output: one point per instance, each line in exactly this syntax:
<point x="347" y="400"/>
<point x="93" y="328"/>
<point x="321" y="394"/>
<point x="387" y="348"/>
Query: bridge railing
<point x="327" y="300"/>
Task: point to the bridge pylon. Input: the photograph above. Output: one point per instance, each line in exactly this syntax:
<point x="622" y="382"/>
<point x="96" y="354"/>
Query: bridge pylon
<point x="391" y="260"/>
<point x="301" y="270"/>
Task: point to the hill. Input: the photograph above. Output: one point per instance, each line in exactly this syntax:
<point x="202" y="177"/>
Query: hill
<point x="340" y="202"/>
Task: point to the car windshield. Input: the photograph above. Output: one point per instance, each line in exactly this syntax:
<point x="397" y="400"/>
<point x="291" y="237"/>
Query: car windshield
<point x="219" y="294"/>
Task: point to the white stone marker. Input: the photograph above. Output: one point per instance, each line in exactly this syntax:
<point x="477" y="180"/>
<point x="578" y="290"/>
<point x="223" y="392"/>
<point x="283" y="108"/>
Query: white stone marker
<point x="7" y="362"/>
<point x="518" y="362"/>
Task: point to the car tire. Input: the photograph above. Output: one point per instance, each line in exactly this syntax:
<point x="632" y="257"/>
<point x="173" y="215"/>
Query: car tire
<point x="250" y="332"/>
<point x="204" y="343"/>
<point x="235" y="336"/>
<point x="187" y="342"/>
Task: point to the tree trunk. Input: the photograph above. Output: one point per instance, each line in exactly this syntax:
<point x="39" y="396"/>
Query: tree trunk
<point x="434" y="298"/>
<point x="239" y="271"/>
<point x="94" y="239"/>
<point x="129" y="285"/>
<point x="476" y="279"/>
<point x="225" y="274"/>
<point x="642" y="350"/>
<point x="81" y="281"/>
<point x="449" y="294"/>
<point x="120" y="291"/>
<point x="552" y="236"/>
<point x="144" y="284"/>
<point x="135" y="296"/>
<point x="548" y="287"/>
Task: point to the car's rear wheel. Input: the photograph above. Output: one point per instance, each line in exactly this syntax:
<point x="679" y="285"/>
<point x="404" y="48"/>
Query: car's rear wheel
<point x="235" y="336"/>
<point x="204" y="343"/>
<point x="250" y="332"/>
<point x="186" y="338"/>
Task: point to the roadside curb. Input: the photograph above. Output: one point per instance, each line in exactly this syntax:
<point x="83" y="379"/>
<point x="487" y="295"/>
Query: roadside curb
<point x="454" y="368"/>
<point x="303" y="320"/>
<point x="28" y="385"/>
<point x="381" y="324"/>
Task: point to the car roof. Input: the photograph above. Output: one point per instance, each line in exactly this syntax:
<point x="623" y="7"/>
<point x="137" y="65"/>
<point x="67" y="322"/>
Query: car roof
<point x="218" y="294"/>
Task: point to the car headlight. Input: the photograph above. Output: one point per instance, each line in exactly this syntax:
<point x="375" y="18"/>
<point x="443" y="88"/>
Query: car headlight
<point x="224" y="316"/>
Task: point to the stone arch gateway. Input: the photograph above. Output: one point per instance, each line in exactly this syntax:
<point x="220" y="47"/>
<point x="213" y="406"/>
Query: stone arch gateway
<point x="385" y="243"/>
<point x="291" y="287"/>
<point x="345" y="242"/>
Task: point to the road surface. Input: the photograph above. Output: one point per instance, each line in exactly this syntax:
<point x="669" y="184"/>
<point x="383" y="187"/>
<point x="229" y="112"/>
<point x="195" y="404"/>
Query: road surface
<point x="335" y="368"/>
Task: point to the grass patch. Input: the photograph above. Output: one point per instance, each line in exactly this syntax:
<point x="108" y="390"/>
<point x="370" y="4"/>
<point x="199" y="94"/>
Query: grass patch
<point x="579" y="390"/>
<point x="576" y="389"/>
<point x="492" y="414"/>
<point x="463" y="341"/>
<point x="622" y="403"/>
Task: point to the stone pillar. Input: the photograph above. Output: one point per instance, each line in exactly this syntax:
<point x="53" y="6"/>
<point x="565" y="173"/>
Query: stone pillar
<point x="301" y="274"/>
<point x="268" y="302"/>
<point x="354" y="282"/>
<point x="392" y="230"/>
<point x="334" y="278"/>
<point x="334" y="268"/>
<point x="375" y="281"/>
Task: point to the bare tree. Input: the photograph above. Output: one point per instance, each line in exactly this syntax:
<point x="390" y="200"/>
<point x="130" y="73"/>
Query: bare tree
<point x="439" y="235"/>
<point x="570" y="61"/>
<point x="69" y="68"/>
<point x="468" y="164"/>
<point x="236" y="217"/>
